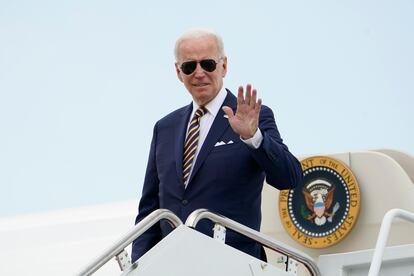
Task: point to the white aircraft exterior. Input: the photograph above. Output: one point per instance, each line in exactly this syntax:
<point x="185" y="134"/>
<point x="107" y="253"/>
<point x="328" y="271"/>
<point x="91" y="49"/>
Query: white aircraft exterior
<point x="64" y="242"/>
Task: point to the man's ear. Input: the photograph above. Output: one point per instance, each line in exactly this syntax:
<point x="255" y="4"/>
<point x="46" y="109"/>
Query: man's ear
<point x="178" y="71"/>
<point x="224" y="66"/>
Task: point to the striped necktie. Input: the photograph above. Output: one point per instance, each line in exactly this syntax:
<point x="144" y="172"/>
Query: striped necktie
<point x="191" y="142"/>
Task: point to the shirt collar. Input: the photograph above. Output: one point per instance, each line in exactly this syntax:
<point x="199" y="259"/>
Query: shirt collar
<point x="214" y="105"/>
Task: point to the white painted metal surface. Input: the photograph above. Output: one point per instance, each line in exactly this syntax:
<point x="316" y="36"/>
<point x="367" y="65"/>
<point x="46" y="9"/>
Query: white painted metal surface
<point x="383" y="237"/>
<point x="405" y="160"/>
<point x="186" y="252"/>
<point x="397" y="260"/>
<point x="295" y="256"/>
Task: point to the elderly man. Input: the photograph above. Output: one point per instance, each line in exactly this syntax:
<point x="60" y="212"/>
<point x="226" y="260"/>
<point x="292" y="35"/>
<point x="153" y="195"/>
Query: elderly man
<point x="215" y="152"/>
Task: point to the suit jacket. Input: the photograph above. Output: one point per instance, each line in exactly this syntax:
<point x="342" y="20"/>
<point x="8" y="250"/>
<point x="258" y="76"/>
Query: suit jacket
<point x="226" y="179"/>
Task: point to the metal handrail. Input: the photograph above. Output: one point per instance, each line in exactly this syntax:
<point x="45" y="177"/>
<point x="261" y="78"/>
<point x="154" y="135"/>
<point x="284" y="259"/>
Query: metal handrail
<point x="383" y="237"/>
<point x="269" y="242"/>
<point x="129" y="237"/>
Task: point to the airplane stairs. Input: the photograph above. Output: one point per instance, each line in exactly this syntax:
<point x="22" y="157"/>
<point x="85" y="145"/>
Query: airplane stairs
<point x="187" y="252"/>
<point x="386" y="179"/>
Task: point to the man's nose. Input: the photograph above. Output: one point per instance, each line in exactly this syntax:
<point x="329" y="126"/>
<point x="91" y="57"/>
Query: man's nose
<point x="199" y="72"/>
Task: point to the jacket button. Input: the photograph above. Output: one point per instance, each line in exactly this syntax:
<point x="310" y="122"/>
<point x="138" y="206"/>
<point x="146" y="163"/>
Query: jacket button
<point x="184" y="201"/>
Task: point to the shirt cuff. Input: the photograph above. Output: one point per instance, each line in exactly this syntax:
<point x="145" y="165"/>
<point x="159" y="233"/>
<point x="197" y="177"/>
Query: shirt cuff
<point x="255" y="141"/>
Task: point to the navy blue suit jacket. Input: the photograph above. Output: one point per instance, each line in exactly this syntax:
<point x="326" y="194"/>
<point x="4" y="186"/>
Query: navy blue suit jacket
<point x="226" y="179"/>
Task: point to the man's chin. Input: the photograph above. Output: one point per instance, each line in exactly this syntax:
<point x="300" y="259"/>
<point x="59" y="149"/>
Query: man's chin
<point x="202" y="89"/>
<point x="203" y="99"/>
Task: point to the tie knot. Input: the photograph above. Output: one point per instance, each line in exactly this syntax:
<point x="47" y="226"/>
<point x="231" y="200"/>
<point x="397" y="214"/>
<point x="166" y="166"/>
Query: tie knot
<point x="200" y="111"/>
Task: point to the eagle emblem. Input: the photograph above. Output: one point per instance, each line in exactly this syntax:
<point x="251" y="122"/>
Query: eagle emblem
<point x="324" y="208"/>
<point x="319" y="196"/>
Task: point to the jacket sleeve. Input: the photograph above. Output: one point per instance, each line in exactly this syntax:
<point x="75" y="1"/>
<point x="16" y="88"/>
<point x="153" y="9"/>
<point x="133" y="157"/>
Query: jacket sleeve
<point x="149" y="202"/>
<point x="282" y="169"/>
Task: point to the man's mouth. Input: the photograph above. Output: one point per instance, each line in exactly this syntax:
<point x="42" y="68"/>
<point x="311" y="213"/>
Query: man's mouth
<point x="200" y="84"/>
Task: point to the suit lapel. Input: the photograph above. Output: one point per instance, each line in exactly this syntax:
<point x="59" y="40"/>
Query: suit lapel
<point x="218" y="127"/>
<point x="180" y="132"/>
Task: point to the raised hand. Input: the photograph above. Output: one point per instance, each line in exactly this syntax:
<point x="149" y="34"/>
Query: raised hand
<point x="246" y="119"/>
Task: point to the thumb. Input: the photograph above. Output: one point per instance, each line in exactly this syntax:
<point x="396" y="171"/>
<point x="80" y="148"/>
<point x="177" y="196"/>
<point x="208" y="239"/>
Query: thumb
<point x="228" y="111"/>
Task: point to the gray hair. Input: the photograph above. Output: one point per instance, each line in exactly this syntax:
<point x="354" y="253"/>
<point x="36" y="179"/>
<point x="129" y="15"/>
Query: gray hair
<point x="197" y="33"/>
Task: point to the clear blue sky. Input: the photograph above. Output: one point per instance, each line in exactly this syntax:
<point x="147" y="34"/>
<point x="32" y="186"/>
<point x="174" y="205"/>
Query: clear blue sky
<point x="83" y="82"/>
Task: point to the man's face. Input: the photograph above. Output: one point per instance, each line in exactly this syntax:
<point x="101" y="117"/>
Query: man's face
<point x="202" y="85"/>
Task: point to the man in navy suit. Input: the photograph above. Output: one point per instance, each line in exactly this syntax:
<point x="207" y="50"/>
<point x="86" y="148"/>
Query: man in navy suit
<point x="237" y="146"/>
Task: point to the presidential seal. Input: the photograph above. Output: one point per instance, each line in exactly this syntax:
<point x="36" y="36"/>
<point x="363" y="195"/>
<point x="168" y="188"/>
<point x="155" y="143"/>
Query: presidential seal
<point x="324" y="209"/>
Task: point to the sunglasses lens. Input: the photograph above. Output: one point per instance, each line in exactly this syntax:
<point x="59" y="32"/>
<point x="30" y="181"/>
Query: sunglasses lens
<point x="208" y="65"/>
<point x="188" y="67"/>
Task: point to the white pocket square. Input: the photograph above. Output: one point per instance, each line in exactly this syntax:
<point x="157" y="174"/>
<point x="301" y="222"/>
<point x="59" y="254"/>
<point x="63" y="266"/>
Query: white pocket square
<point x="222" y="143"/>
<point x="219" y="144"/>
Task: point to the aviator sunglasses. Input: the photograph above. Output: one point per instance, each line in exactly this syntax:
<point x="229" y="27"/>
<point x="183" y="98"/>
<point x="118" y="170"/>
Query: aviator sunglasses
<point x="189" y="67"/>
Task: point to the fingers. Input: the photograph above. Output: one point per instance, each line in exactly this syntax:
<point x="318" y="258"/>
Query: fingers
<point x="258" y="106"/>
<point x="240" y="97"/>
<point x="248" y="93"/>
<point x="253" y="99"/>
<point x="250" y="98"/>
<point x="228" y="111"/>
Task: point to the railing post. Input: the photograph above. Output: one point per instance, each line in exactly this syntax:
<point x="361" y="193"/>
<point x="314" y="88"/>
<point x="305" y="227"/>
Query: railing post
<point x="292" y="266"/>
<point x="123" y="260"/>
<point x="219" y="233"/>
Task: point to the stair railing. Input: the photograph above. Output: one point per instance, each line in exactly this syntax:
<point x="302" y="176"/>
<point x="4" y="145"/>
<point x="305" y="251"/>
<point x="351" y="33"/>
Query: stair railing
<point x="383" y="237"/>
<point x="118" y="249"/>
<point x="222" y="222"/>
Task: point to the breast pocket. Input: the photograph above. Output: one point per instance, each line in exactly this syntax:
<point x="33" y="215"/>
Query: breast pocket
<point x="227" y="147"/>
